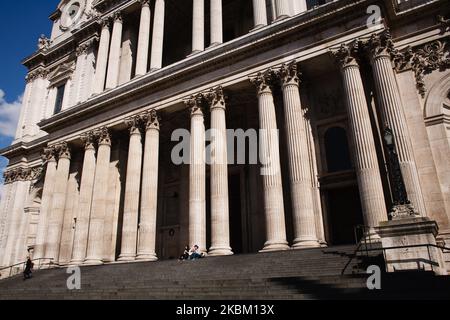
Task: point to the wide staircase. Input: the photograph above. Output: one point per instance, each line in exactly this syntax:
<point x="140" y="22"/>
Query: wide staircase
<point x="304" y="274"/>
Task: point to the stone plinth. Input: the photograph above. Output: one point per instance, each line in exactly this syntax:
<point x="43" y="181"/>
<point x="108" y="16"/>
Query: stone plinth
<point x="409" y="232"/>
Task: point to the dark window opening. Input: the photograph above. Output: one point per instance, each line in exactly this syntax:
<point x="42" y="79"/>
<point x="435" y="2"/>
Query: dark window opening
<point x="337" y="150"/>
<point x="59" y="98"/>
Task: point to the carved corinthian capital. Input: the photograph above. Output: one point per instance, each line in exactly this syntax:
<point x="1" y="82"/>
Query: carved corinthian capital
<point x="380" y="45"/>
<point x="289" y="74"/>
<point x="195" y="103"/>
<point x="103" y="135"/>
<point x="49" y="155"/>
<point x="263" y="81"/>
<point x="88" y="140"/>
<point x="151" y="120"/>
<point x="63" y="150"/>
<point x="134" y="124"/>
<point x="216" y="98"/>
<point x="347" y="54"/>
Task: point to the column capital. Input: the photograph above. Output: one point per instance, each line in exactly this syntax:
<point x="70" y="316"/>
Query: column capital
<point x="88" y="140"/>
<point x="134" y="124"/>
<point x="151" y="120"/>
<point x="194" y="103"/>
<point x="105" y="22"/>
<point x="49" y="155"/>
<point x="263" y="81"/>
<point x="117" y="17"/>
<point x="289" y="74"/>
<point x="347" y="54"/>
<point x="63" y="150"/>
<point x="144" y="3"/>
<point x="104" y="136"/>
<point x="216" y="98"/>
<point x="84" y="47"/>
<point x="380" y="45"/>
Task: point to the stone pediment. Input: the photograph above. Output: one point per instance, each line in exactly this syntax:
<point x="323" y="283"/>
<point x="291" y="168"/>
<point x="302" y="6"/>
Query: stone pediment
<point x="61" y="73"/>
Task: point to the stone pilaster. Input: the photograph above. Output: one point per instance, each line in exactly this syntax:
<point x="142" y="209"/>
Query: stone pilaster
<point x="58" y="203"/>
<point x="49" y="158"/>
<point x="102" y="58"/>
<point x="216" y="22"/>
<point x="220" y="215"/>
<point x="259" y="13"/>
<point x="271" y="170"/>
<point x="149" y="200"/>
<point x="298" y="6"/>
<point x="97" y="220"/>
<point x="144" y="38"/>
<point x="392" y="113"/>
<point x="85" y="200"/>
<point x="197" y="176"/>
<point x="112" y="78"/>
<point x="158" y="36"/>
<point x="132" y="191"/>
<point x="198" y="26"/>
<point x="363" y="143"/>
<point x="299" y="160"/>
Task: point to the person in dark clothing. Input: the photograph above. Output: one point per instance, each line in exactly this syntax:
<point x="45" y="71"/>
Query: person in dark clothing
<point x="27" y="273"/>
<point x="185" y="255"/>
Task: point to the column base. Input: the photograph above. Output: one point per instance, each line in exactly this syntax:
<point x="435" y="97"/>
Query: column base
<point x="93" y="262"/>
<point x="220" y="251"/>
<point x="154" y="70"/>
<point x="151" y="257"/>
<point x="275" y="246"/>
<point x="305" y="244"/>
<point x="282" y="17"/>
<point x="75" y="263"/>
<point x="125" y="258"/>
<point x="420" y="233"/>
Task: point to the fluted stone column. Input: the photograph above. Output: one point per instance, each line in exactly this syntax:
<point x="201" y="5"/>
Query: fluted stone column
<point x="85" y="200"/>
<point x="299" y="160"/>
<point x="282" y="9"/>
<point x="220" y="215"/>
<point x="158" y="36"/>
<point x="58" y="203"/>
<point x="364" y="152"/>
<point x="198" y="26"/>
<point x="144" y="39"/>
<point x="392" y="113"/>
<point x="112" y="78"/>
<point x="132" y="191"/>
<point x="197" y="176"/>
<point x="149" y="200"/>
<point x="216" y="22"/>
<point x="49" y="157"/>
<point x="271" y="170"/>
<point x="102" y="58"/>
<point x="259" y="13"/>
<point x="299" y="6"/>
<point x="95" y="248"/>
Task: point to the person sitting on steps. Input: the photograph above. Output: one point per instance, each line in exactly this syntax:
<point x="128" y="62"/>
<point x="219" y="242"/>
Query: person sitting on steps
<point x="195" y="254"/>
<point x="185" y="255"/>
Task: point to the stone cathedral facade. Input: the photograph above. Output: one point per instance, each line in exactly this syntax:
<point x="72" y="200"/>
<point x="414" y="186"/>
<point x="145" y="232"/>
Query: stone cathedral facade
<point x="91" y="178"/>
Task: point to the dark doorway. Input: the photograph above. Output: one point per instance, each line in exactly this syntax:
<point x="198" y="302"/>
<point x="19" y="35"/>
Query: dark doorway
<point x="234" y="184"/>
<point x="345" y="213"/>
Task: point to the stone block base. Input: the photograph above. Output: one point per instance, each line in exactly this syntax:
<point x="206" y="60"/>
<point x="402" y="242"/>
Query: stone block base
<point x="411" y="232"/>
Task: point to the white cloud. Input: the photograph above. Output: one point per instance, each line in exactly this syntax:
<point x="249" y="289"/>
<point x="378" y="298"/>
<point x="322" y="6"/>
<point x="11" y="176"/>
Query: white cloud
<point x="9" y="115"/>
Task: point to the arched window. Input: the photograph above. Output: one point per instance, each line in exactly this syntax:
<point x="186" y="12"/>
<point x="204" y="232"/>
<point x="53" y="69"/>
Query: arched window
<point x="337" y="150"/>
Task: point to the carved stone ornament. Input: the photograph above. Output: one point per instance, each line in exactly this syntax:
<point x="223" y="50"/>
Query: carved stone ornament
<point x="44" y="43"/>
<point x="195" y="103"/>
<point x="104" y="136"/>
<point x="215" y="98"/>
<point x="22" y="174"/>
<point x="289" y="74"/>
<point x="151" y="120"/>
<point x="347" y="54"/>
<point x="264" y="81"/>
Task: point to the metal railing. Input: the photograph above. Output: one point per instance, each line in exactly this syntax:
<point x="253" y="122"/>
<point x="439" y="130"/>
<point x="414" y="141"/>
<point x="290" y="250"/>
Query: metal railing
<point x="20" y="267"/>
<point x="366" y="240"/>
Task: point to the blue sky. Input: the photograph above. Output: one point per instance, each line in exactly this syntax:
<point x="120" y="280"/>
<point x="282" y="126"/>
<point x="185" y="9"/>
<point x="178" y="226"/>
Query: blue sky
<point x="21" y="24"/>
